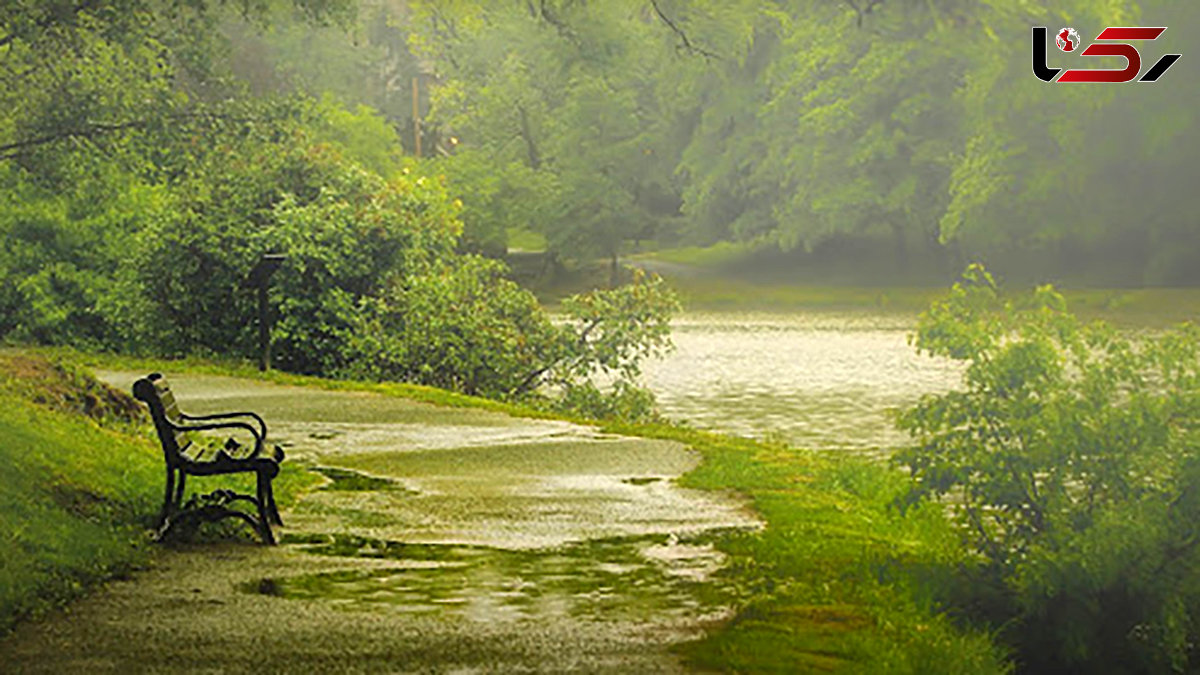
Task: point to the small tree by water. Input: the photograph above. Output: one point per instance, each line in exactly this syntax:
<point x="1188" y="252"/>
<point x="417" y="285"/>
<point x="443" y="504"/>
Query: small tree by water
<point x="1069" y="458"/>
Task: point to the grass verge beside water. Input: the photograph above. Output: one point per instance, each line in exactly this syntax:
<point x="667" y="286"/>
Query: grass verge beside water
<point x="837" y="580"/>
<point x="742" y="277"/>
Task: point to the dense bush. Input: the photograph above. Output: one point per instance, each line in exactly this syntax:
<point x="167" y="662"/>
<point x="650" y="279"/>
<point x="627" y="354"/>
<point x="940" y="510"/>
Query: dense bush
<point x="458" y="326"/>
<point x="466" y="327"/>
<point x="374" y="284"/>
<point x="344" y="231"/>
<point x="1069" y="457"/>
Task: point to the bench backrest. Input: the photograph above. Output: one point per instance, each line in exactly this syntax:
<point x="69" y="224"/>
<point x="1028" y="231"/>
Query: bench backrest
<point x="154" y="391"/>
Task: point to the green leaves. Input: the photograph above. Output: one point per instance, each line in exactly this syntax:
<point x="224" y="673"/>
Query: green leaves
<point x="1068" y="458"/>
<point x="459" y="324"/>
<point x="455" y="323"/>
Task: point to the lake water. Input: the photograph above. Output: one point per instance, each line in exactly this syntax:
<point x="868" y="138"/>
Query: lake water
<point x="821" y="380"/>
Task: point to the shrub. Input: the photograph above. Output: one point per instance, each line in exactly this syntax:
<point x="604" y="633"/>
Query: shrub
<point x="459" y="324"/>
<point x="1069" y="457"/>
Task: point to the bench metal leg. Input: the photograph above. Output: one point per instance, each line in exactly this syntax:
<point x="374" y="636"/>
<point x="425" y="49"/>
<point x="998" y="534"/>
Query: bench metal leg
<point x="168" y="496"/>
<point x="179" y="490"/>
<point x="272" y="509"/>
<point x="264" y="511"/>
<point x="191" y="518"/>
<point x="213" y="507"/>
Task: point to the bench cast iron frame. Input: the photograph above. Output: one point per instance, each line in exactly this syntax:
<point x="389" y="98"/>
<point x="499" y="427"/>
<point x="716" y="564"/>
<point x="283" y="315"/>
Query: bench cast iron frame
<point x="173" y="426"/>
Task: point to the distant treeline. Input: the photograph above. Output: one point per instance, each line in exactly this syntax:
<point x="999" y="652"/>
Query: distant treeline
<point x="914" y="129"/>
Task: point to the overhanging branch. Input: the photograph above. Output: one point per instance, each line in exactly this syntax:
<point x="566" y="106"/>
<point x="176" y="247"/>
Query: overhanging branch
<point x="97" y="129"/>
<point x="685" y="43"/>
<point x="862" y="8"/>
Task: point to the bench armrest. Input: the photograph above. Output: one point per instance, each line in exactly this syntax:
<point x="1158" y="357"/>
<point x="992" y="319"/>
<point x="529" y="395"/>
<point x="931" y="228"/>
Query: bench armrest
<point x="262" y="425"/>
<point x="258" y="439"/>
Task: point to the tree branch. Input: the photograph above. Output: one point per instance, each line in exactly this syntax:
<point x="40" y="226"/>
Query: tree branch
<point x="547" y="14"/>
<point x="11" y="150"/>
<point x="535" y="157"/>
<point x="17" y="148"/>
<point x="531" y="379"/>
<point x="684" y="42"/>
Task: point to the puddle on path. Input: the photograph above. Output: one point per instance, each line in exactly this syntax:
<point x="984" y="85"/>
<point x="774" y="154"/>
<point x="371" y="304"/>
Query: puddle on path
<point x="527" y="495"/>
<point x="647" y="579"/>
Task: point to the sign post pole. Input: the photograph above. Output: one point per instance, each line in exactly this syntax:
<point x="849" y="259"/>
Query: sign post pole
<point x="260" y="279"/>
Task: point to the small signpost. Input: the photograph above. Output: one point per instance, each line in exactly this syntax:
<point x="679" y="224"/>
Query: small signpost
<point x="260" y="278"/>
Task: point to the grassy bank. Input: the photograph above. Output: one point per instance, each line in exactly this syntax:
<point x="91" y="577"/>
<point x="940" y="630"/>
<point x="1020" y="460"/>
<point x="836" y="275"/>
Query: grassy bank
<point x="839" y="580"/>
<point x="1141" y="307"/>
<point x="74" y="499"/>
<point x="741" y="277"/>
<point x="80" y="482"/>
<point x="736" y="277"/>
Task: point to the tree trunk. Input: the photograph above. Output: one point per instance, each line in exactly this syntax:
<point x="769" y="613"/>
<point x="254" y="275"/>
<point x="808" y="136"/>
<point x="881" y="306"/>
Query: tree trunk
<point x="531" y="150"/>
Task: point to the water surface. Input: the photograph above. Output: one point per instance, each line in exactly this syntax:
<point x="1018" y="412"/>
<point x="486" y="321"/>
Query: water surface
<point x="821" y="380"/>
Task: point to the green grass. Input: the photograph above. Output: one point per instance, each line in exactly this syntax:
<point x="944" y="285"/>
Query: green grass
<point x="525" y="240"/>
<point x="75" y="500"/>
<point x="1144" y="307"/>
<point x="708" y="293"/>
<point x="719" y="255"/>
<point x="729" y="276"/>
<point x="839" y="579"/>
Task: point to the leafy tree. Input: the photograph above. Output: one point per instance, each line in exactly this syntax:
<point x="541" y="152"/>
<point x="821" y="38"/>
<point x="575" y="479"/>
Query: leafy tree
<point x="143" y="180"/>
<point x="565" y="97"/>
<point x="1069" y="457"/>
<point x="95" y="73"/>
<point x="805" y="122"/>
<point x="463" y="326"/>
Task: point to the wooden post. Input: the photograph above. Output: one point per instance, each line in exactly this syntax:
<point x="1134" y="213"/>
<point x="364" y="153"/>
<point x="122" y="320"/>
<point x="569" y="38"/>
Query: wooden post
<point x="259" y="279"/>
<point x="416" y="96"/>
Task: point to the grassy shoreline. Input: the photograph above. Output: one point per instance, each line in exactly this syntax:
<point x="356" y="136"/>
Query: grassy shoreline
<point x="1144" y="307"/>
<point x="841" y="580"/>
<point x="838" y="579"/>
<point x="730" y="278"/>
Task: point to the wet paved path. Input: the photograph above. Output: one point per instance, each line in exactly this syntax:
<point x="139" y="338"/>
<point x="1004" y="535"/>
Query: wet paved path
<point x="442" y="539"/>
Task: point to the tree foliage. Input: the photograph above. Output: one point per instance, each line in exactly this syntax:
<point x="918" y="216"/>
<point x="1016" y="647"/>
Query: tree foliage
<point x="802" y="122"/>
<point x="144" y="173"/>
<point x="1070" y="458"/>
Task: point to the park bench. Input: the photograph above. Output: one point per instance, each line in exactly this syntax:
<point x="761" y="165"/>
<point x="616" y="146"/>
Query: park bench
<point x="184" y="458"/>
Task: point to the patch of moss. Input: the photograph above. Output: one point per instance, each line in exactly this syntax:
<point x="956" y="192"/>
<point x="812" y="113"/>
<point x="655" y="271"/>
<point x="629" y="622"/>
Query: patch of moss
<point x="346" y="480"/>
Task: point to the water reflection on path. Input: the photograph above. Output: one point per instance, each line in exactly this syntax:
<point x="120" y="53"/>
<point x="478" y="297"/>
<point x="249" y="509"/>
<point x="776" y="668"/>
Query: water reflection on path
<point x="822" y="380"/>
